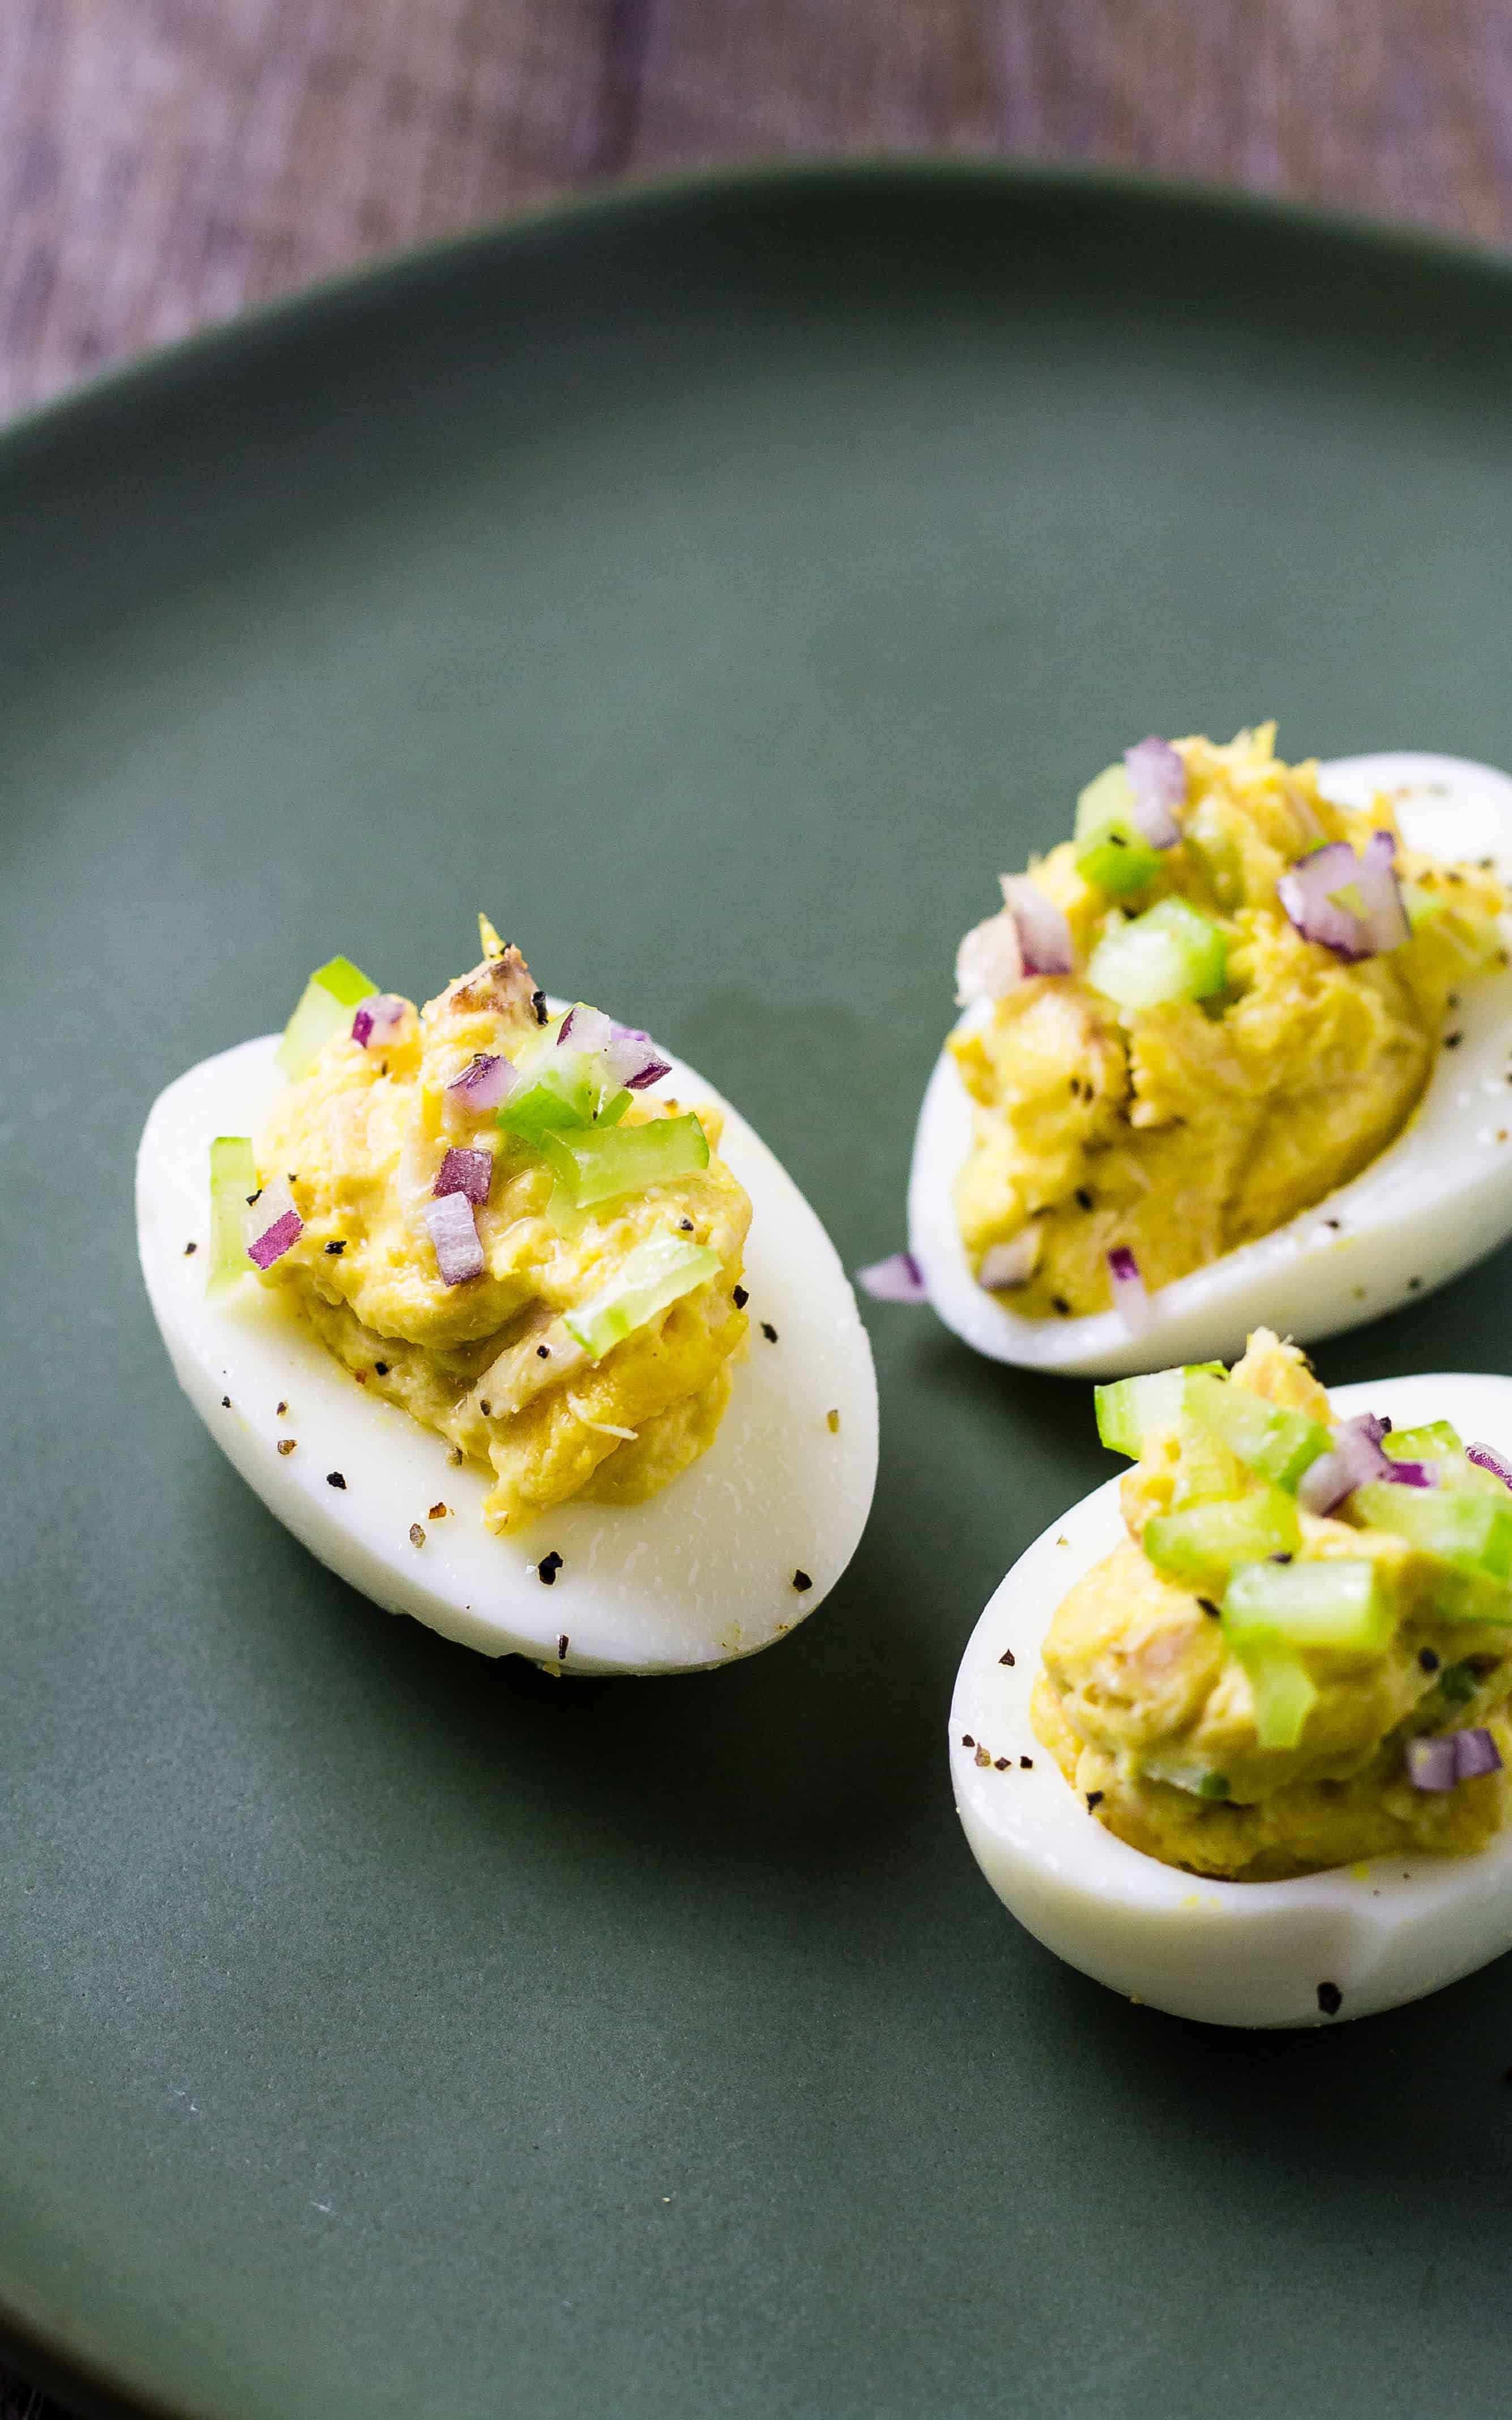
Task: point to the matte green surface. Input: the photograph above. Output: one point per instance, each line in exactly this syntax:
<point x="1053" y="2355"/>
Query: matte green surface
<point x="717" y="587"/>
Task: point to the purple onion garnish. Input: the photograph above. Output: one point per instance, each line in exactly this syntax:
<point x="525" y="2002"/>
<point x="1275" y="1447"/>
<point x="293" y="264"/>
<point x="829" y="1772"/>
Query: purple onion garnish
<point x="1475" y="1752"/>
<point x="273" y="1225"/>
<point x="466" y="1171"/>
<point x="377" y="1017"/>
<point x="484" y="1085"/>
<point x="1410" y="1474"/>
<point x="898" y="1279"/>
<point x="454" y="1234"/>
<point x="1307" y="895"/>
<point x="1045" y="935"/>
<point x="1129" y="1298"/>
<point x="1486" y="1457"/>
<point x="585" y="1029"/>
<point x="1385" y="918"/>
<point x="1158" y="777"/>
<point x="632" y="1059"/>
<point x="1355" y="1457"/>
<point x="1430" y="1762"/>
<point x="1449" y="1757"/>
<point x="275" y="1240"/>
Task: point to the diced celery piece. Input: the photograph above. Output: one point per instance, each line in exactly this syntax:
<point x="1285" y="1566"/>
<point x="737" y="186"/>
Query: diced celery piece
<point x="605" y="1162"/>
<point x="1112" y="853"/>
<point x="326" y="1004"/>
<point x="1208" y="1469"/>
<point x="656" y="1274"/>
<point x="1214" y="1785"/>
<point x="1338" y="1603"/>
<point x="1171" y="952"/>
<point x="1283" y="1695"/>
<point x="1207" y="1540"/>
<point x="1276" y="1443"/>
<point x="1472" y="1533"/>
<point x="1108" y="798"/>
<point x="233" y="1178"/>
<point x="1129" y="1407"/>
<point x="1426" y="1444"/>
<point x="1468" y="1534"/>
<point x="559" y="1095"/>
<point x="562" y="1212"/>
<point x="1118" y="861"/>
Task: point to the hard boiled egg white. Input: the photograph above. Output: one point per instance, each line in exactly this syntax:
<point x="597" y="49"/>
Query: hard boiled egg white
<point x="702" y="1572"/>
<point x="1438" y="1199"/>
<point x="1229" y="1953"/>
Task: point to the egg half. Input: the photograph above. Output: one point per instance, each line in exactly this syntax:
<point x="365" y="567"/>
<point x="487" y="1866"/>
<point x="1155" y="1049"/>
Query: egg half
<point x="1229" y="1953"/>
<point x="1437" y="1199"/>
<point x="726" y="1560"/>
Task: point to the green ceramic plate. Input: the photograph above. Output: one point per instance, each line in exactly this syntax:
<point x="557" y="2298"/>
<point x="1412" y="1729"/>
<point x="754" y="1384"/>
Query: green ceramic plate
<point x="718" y="583"/>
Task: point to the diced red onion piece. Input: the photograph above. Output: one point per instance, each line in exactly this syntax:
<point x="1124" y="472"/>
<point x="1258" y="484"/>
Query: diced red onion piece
<point x="1410" y="1474"/>
<point x="1004" y="1266"/>
<point x="989" y="962"/>
<point x="1129" y="1298"/>
<point x="1306" y="894"/>
<point x="1475" y="1752"/>
<point x="633" y="1060"/>
<point x="1488" y="1459"/>
<point x="466" y="1171"/>
<point x="589" y="1030"/>
<point x="1385" y="918"/>
<point x="1045" y="935"/>
<point x="454" y="1234"/>
<point x="898" y="1279"/>
<point x="1355" y="1456"/>
<point x="482" y="1086"/>
<point x="1159" y="779"/>
<point x="272" y="1224"/>
<point x="1432" y="1763"/>
<point x="377" y="1017"/>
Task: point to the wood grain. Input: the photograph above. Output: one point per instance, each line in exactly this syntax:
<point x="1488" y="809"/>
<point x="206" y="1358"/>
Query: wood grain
<point x="164" y="162"/>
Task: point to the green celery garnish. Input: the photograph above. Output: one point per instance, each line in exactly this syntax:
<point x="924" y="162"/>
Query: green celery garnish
<point x="1207" y="1540"/>
<point x="1129" y="1409"/>
<point x="1214" y="1785"/>
<point x="1112" y="853"/>
<point x="559" y="1095"/>
<point x="1277" y="1444"/>
<point x="1283" y="1695"/>
<point x="1470" y="1532"/>
<point x="1331" y="1602"/>
<point x="233" y="1179"/>
<point x="603" y="1162"/>
<point x="1171" y="952"/>
<point x="326" y="1004"/>
<point x="656" y="1274"/>
<point x="1429" y="1443"/>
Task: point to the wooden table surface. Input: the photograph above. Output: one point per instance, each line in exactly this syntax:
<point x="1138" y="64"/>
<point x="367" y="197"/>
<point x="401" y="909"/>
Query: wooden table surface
<point x="165" y="162"/>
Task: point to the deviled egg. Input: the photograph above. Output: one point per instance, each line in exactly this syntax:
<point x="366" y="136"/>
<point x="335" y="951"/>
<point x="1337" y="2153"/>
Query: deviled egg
<point x="1238" y="1051"/>
<point x="1231" y="1736"/>
<point x="514" y="1321"/>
